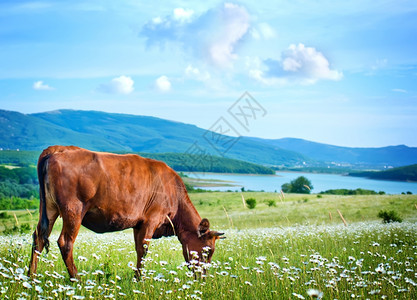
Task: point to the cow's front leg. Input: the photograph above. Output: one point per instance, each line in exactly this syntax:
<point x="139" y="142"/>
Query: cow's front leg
<point x="142" y="236"/>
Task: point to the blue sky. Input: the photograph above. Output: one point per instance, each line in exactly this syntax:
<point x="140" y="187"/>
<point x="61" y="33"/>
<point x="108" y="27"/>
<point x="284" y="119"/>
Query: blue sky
<point x="337" y="72"/>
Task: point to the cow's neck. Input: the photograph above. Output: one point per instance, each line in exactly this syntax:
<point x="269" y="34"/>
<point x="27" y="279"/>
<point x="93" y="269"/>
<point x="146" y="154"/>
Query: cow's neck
<point x="187" y="219"/>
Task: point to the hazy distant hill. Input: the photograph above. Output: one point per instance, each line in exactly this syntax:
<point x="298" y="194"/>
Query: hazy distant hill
<point x="366" y="157"/>
<point x="122" y="132"/>
<point x="407" y="173"/>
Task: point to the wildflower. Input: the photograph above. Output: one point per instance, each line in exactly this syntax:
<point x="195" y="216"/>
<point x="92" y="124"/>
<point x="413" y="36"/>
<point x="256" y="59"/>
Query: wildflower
<point x="194" y="254"/>
<point x="380" y="269"/>
<point x="27" y="285"/>
<point x="82" y="258"/>
<point x="163" y="263"/>
<point x="90" y="282"/>
<point x="248" y="283"/>
<point x="70" y="293"/>
<point x="298" y="296"/>
<point x="189" y="274"/>
<point x="97" y="272"/>
<point x="313" y="293"/>
<point x="5" y="275"/>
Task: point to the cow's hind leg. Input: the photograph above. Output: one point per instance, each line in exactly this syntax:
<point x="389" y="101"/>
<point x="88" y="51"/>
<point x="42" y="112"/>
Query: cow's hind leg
<point x="143" y="235"/>
<point x="39" y="240"/>
<point x="71" y="223"/>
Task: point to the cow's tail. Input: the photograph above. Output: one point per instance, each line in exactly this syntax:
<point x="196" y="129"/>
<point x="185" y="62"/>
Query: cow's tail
<point x="43" y="229"/>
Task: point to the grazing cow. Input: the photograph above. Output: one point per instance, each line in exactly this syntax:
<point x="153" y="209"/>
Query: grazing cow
<point x="109" y="192"/>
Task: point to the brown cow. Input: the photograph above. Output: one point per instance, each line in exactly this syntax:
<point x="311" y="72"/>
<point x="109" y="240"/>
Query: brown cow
<point x="108" y="192"/>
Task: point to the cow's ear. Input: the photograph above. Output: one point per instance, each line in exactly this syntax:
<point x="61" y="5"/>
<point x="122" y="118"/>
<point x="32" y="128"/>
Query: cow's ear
<point x="203" y="227"/>
<point x="217" y="234"/>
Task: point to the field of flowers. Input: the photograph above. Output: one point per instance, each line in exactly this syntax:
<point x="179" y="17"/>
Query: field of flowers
<point x="366" y="260"/>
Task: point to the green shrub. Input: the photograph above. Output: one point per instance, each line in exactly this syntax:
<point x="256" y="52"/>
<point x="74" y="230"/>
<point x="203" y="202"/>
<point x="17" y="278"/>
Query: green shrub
<point x="251" y="203"/>
<point x="300" y="185"/>
<point x="4" y="215"/>
<point x="389" y="216"/>
<point x="24" y="228"/>
<point x="271" y="202"/>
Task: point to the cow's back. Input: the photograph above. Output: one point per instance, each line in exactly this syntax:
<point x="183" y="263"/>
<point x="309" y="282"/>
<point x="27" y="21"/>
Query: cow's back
<point x="116" y="191"/>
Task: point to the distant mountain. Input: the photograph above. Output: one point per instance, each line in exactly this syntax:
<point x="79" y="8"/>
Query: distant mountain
<point x="336" y="155"/>
<point x="122" y="132"/>
<point x="407" y="173"/>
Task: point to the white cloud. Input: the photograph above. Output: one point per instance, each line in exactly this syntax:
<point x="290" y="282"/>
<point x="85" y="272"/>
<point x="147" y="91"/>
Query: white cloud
<point x="235" y="24"/>
<point x="211" y="36"/>
<point x="40" y="86"/>
<point x="309" y="63"/>
<point x="399" y="90"/>
<point x="266" y="31"/>
<point x="183" y="15"/>
<point x="195" y="73"/>
<point x="260" y="76"/>
<point x="298" y="64"/>
<point x="118" y="85"/>
<point x="157" y="20"/>
<point x="163" y="84"/>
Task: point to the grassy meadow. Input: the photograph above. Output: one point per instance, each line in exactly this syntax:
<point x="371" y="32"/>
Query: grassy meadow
<point x="296" y="247"/>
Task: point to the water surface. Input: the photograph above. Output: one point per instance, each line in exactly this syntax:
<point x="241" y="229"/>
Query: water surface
<point x="320" y="182"/>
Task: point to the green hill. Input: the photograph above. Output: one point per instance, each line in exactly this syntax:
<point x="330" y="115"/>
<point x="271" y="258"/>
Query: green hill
<point x="102" y="131"/>
<point x="121" y="132"/>
<point x="407" y="173"/>
<point x="178" y="161"/>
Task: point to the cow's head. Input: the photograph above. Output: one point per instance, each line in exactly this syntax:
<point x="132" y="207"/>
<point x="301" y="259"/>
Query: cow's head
<point x="200" y="245"/>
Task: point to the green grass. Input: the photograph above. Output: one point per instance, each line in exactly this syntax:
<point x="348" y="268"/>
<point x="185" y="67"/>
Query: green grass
<point x="298" y="208"/>
<point x="270" y="253"/>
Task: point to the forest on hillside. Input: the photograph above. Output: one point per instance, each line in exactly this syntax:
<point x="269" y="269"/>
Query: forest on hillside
<point x="19" y="183"/>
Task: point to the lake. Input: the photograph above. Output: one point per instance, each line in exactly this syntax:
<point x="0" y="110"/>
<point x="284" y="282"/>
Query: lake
<point x="320" y="182"/>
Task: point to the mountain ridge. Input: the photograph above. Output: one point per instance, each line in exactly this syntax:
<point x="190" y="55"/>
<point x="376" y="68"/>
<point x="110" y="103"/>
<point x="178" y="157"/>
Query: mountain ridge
<point x="104" y="131"/>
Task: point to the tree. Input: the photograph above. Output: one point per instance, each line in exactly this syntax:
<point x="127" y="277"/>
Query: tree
<point x="299" y="185"/>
